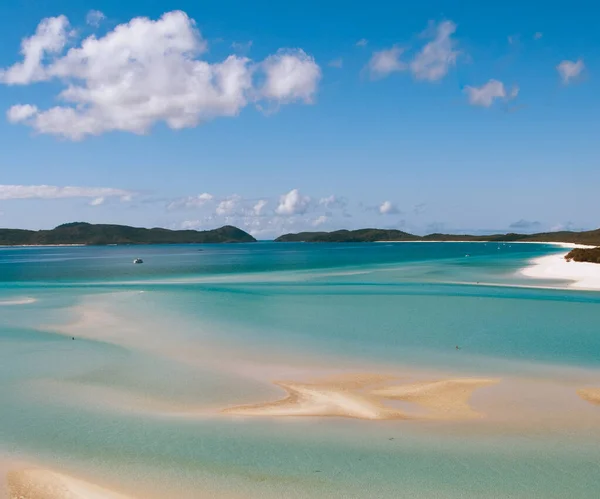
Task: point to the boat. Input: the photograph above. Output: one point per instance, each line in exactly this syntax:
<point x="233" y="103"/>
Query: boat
<point x="138" y="260"/>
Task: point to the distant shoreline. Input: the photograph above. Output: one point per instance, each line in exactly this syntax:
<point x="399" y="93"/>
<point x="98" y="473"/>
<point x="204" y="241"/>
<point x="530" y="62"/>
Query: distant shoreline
<point x="562" y="245"/>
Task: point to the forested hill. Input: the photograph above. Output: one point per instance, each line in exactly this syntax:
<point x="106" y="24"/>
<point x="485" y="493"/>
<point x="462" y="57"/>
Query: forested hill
<point x="90" y="234"/>
<point x="591" y="237"/>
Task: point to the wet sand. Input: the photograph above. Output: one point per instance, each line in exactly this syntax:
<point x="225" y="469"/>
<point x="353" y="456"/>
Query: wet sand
<point x="591" y="395"/>
<point x="367" y="397"/>
<point x="44" y="484"/>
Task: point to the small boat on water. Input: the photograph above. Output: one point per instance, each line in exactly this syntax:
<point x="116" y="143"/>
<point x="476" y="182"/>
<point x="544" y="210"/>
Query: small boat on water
<point x="138" y="260"/>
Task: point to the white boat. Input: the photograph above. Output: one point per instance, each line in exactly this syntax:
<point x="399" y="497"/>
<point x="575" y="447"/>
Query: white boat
<point x="138" y="260"/>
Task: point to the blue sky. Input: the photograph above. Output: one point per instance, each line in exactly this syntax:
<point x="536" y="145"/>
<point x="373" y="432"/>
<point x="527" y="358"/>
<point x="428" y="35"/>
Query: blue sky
<point x="422" y="116"/>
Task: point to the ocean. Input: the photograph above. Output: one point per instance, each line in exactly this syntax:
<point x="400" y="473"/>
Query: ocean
<point x="161" y="379"/>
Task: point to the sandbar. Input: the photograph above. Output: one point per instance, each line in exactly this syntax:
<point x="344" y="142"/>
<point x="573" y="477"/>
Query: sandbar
<point x="584" y="275"/>
<point x="17" y="301"/>
<point x="365" y="397"/>
<point x="44" y="484"/>
<point x="592" y="395"/>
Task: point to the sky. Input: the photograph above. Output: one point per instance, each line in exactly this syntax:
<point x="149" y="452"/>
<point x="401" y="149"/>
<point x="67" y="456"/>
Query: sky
<point x="283" y="117"/>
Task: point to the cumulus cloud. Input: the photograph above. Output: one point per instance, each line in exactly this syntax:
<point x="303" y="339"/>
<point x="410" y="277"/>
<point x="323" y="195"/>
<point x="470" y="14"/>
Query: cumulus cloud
<point x="190" y="224"/>
<point x="259" y="207"/>
<point x="55" y="192"/>
<point x="435" y="59"/>
<point x="384" y="62"/>
<point x="228" y="206"/>
<point x="388" y="208"/>
<point x="333" y="202"/>
<point x="292" y="203"/>
<point x="486" y="94"/>
<point x="336" y="63"/>
<point x="319" y="221"/>
<point x="290" y="75"/>
<point x="94" y="18"/>
<point x="191" y="201"/>
<point x="50" y="38"/>
<point x="97" y="201"/>
<point x="148" y="71"/>
<point x="362" y="42"/>
<point x="569" y="70"/>
<point x="21" y="112"/>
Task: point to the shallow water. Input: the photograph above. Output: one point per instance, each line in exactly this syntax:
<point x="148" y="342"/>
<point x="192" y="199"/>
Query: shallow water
<point x="161" y="347"/>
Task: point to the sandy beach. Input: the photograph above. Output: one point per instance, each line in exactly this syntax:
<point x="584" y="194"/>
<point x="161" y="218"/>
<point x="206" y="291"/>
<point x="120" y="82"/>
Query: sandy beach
<point x="583" y="275"/>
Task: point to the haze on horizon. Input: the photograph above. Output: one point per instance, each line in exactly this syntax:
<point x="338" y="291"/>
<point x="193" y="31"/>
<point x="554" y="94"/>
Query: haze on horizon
<point x="423" y="117"/>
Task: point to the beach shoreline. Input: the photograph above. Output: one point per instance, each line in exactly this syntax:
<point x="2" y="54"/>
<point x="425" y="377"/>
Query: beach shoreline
<point x="583" y="275"/>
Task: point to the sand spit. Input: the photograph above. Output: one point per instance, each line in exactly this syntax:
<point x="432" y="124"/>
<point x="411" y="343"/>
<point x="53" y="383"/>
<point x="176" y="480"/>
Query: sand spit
<point x="44" y="484"/>
<point x="446" y="399"/>
<point x="584" y="275"/>
<point x="17" y="301"/>
<point x="592" y="395"/>
<point x="367" y="397"/>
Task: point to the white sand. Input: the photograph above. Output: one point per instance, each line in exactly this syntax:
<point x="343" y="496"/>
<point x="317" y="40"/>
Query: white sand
<point x="583" y="275"/>
<point x="17" y="301"/>
<point x="45" y="484"/>
<point x="356" y="397"/>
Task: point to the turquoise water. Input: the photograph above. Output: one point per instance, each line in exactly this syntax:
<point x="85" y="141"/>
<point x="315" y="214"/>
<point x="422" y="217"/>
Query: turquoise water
<point x="198" y="328"/>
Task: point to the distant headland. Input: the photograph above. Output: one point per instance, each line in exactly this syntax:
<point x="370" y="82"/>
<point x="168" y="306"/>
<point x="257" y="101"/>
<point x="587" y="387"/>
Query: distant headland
<point x="591" y="237"/>
<point x="82" y="233"/>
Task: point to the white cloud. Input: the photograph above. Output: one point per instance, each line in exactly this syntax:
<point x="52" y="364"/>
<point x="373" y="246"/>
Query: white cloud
<point x="388" y="208"/>
<point x="147" y="71"/>
<point x="435" y="59"/>
<point x="486" y="94"/>
<point x="292" y="203"/>
<point x="362" y="42"/>
<point x="54" y="192"/>
<point x="319" y="221"/>
<point x="290" y="75"/>
<point x="50" y="38"/>
<point x="228" y="206"/>
<point x="191" y="201"/>
<point x="94" y="18"/>
<point x="538" y="35"/>
<point x="20" y="113"/>
<point x="569" y="70"/>
<point x="190" y="224"/>
<point x="384" y="62"/>
<point x="97" y="201"/>
<point x="332" y="202"/>
<point x="259" y="207"/>
<point x="336" y="63"/>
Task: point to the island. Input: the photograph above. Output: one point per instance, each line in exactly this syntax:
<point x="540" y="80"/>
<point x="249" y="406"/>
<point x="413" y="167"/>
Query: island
<point x="83" y="233"/>
<point x="591" y="255"/>
<point x="591" y="237"/>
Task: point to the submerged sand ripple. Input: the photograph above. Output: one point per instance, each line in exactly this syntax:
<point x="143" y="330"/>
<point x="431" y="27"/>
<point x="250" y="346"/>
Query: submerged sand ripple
<point x="45" y="484"/>
<point x="364" y="397"/>
<point x="591" y="395"/>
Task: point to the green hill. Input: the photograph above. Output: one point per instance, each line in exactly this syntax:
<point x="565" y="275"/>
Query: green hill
<point x="90" y="234"/>
<point x="349" y="236"/>
<point x="584" y="255"/>
<point x="591" y="237"/>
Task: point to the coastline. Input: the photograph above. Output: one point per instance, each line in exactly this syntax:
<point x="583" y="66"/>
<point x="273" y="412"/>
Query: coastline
<point x="583" y="275"/>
